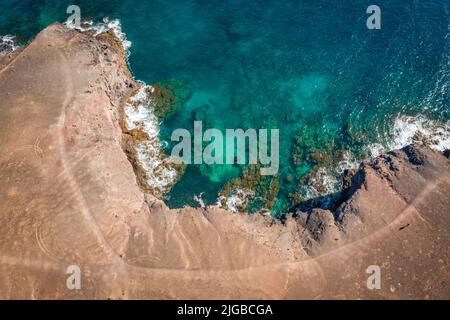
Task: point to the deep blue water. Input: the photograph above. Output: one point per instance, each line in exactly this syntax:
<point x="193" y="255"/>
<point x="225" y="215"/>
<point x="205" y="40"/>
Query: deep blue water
<point x="310" y="68"/>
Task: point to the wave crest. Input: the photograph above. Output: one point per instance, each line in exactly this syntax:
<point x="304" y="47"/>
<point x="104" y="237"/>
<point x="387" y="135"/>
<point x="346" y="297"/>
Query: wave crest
<point x="8" y="44"/>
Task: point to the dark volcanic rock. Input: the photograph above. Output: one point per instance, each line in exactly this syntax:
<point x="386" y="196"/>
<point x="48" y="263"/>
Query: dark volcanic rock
<point x="447" y="153"/>
<point x="414" y="155"/>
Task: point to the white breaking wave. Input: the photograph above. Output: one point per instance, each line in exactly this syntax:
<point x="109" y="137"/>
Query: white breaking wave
<point x="114" y="25"/>
<point x="238" y="199"/>
<point x="8" y="44"/>
<point x="375" y="149"/>
<point x="326" y="180"/>
<point x="199" y="200"/>
<point x="407" y="129"/>
<point x="348" y="162"/>
<point x="329" y="180"/>
<point x="139" y="113"/>
<point x="159" y="169"/>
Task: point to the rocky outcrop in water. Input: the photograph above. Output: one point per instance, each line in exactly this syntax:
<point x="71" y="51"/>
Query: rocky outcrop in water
<point x="69" y="196"/>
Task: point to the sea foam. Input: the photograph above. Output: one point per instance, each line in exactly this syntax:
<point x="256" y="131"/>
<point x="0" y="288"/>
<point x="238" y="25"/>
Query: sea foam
<point x="238" y="199"/>
<point x="409" y="129"/>
<point x="199" y="200"/>
<point x="8" y="44"/>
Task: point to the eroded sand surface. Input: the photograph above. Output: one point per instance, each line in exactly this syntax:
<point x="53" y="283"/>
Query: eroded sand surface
<point x="69" y="196"/>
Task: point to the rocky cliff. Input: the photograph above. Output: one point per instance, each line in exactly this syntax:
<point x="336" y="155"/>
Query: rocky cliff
<point x="69" y="195"/>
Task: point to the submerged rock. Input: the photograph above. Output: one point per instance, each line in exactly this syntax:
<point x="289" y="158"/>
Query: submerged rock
<point x="169" y="96"/>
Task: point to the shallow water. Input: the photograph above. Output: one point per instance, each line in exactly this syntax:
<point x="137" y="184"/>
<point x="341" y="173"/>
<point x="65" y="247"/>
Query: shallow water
<point x="310" y="68"/>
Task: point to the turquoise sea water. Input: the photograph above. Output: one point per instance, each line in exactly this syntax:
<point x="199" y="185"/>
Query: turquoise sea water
<point x="310" y="68"/>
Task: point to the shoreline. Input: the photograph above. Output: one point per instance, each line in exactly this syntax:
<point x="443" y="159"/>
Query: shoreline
<point x="70" y="196"/>
<point x="406" y="130"/>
